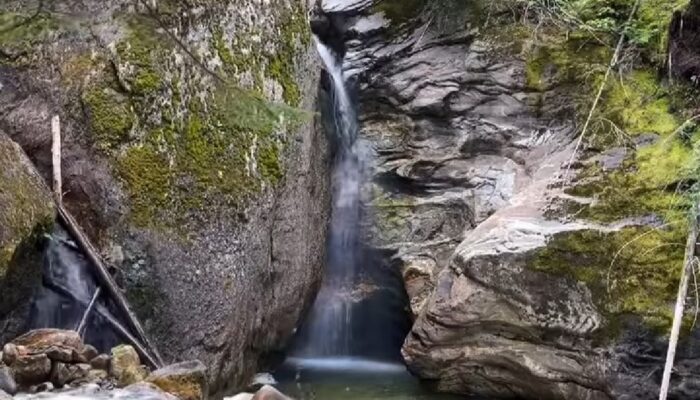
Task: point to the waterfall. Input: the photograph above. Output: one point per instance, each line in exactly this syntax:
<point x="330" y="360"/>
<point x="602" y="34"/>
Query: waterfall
<point x="328" y="332"/>
<point x="67" y="287"/>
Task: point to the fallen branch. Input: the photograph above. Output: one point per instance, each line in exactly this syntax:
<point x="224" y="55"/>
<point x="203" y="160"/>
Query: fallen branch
<point x="104" y="277"/>
<point x="83" y="321"/>
<point x="680" y="303"/>
<point x="113" y="322"/>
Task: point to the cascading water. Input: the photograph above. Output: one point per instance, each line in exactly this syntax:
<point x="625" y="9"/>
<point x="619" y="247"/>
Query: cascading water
<point x="68" y="286"/>
<point x="328" y="333"/>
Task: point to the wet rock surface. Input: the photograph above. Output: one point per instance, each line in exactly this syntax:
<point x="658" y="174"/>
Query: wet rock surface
<point x="470" y="160"/>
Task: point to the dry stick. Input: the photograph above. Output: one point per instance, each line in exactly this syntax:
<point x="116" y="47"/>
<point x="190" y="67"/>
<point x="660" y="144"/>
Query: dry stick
<point x="613" y="62"/>
<point x="105" y="278"/>
<point x="83" y="322"/>
<point x="56" y="157"/>
<point x="113" y="322"/>
<point x="680" y="304"/>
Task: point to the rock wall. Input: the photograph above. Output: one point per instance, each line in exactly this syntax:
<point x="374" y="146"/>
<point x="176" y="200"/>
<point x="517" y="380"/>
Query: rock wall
<point x="533" y="271"/>
<point x="192" y="156"/>
<point x="26" y="213"/>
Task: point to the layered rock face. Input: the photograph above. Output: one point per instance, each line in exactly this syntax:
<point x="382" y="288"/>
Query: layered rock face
<point x="533" y="271"/>
<point x="191" y="156"/>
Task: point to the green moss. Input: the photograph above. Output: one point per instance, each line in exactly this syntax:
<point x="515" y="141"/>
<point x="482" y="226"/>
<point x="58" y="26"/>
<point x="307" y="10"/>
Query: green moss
<point x="644" y="261"/>
<point x="26" y="208"/>
<point x="643" y="266"/>
<point x="111" y="117"/>
<point x="639" y="105"/>
<point x="649" y="180"/>
<point x="148" y="178"/>
<point x="143" y="51"/>
<point x="19" y="33"/>
<point x="400" y="11"/>
<point x="294" y="30"/>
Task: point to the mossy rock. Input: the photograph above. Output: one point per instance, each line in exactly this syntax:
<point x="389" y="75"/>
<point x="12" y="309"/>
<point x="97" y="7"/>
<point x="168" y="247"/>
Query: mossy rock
<point x="186" y="380"/>
<point x="26" y="214"/>
<point x="26" y="206"/>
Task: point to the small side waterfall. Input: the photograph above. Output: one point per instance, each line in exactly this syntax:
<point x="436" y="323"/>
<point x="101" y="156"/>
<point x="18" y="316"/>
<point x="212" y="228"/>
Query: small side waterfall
<point x="68" y="286"/>
<point x="328" y="332"/>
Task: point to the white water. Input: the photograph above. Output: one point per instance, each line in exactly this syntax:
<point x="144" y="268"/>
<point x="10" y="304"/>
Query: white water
<point x="328" y="330"/>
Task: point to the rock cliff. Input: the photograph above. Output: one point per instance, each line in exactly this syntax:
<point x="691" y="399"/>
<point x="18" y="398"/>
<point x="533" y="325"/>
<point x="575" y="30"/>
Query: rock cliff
<point x="192" y="156"/>
<point x="536" y="267"/>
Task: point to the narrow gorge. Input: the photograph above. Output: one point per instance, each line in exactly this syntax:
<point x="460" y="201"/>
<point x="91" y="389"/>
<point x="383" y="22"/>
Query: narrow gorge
<point x="349" y="199"/>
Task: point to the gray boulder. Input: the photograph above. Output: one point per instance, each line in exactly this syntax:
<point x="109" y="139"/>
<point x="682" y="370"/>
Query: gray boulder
<point x="7" y="380"/>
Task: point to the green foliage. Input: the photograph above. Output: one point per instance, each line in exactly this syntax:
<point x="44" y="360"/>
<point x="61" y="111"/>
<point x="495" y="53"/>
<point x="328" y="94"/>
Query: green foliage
<point x="648" y="30"/>
<point x="400" y="11"/>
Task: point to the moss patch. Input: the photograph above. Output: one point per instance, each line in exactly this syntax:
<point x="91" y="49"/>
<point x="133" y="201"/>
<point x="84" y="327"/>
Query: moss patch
<point x="21" y="33"/>
<point x="643" y="265"/>
<point x="644" y="261"/>
<point x="400" y="11"/>
<point x="110" y="115"/>
<point x="184" y="145"/>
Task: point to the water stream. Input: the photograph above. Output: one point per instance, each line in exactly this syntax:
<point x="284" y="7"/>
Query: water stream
<point x="349" y="348"/>
<point x="67" y="288"/>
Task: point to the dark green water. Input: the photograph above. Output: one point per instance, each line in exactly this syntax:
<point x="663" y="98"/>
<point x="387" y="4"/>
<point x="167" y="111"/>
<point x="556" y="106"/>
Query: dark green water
<point x="352" y="379"/>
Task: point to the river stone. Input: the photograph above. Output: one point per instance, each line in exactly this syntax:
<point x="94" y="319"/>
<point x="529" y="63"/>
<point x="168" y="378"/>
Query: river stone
<point x="4" y="396"/>
<point x="96" y="375"/>
<point x="31" y="369"/>
<point x="43" y="387"/>
<point x="7" y="380"/>
<point x="9" y="354"/>
<point x="60" y="353"/>
<point x="241" y="396"/>
<point x="186" y="380"/>
<point x="126" y="366"/>
<point x="101" y="362"/>
<point x="60" y="374"/>
<point x="40" y="339"/>
<point x="88" y="353"/>
<point x="268" y="392"/>
<point x="260" y="380"/>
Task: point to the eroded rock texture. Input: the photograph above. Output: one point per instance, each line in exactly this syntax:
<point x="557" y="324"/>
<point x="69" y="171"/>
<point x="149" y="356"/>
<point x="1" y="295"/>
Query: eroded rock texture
<point x="191" y="157"/>
<point x="515" y="251"/>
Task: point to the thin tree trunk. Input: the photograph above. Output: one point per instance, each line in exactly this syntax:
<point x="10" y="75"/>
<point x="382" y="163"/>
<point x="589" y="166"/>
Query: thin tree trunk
<point x="56" y="157"/>
<point x="680" y="304"/>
